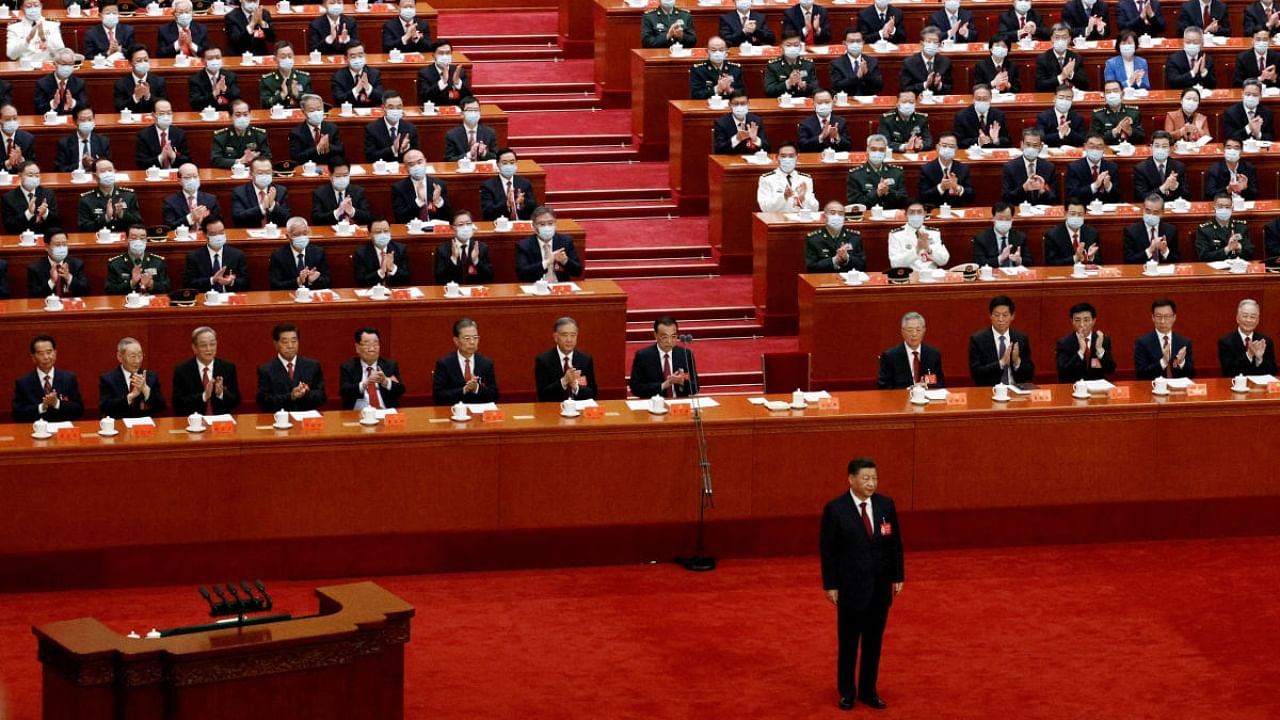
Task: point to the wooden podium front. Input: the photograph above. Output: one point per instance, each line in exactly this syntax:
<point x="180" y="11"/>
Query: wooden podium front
<point x="347" y="661"/>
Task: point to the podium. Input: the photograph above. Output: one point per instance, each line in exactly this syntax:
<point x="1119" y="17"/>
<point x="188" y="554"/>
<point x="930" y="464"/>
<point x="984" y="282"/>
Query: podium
<point x="346" y="661"/>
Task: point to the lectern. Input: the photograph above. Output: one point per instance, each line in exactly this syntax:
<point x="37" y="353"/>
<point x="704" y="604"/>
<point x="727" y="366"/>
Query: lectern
<point x="345" y="662"/>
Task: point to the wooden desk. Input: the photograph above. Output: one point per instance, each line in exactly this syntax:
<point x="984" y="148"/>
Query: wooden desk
<point x="338" y="250"/>
<point x="846" y="328"/>
<point x="124" y="136"/>
<point x="690" y="123"/>
<point x="733" y="183"/>
<point x="415" y="333"/>
<point x="395" y="501"/>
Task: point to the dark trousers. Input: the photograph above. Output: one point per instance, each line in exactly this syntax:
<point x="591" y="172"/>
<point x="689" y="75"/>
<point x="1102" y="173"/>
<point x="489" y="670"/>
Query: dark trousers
<point x="865" y="626"/>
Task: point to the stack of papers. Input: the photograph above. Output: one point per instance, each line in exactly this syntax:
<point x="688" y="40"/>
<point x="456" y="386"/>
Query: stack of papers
<point x="478" y="408"/>
<point x="301" y="415"/>
<point x="1255" y="379"/>
<point x="135" y="422"/>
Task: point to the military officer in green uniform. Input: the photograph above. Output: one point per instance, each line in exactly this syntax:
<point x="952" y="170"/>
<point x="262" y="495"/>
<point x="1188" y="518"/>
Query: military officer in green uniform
<point x="1116" y="121"/>
<point x="833" y="247"/>
<point x="875" y="182"/>
<point x="716" y="76"/>
<point x="1223" y="238"/>
<point x="108" y="206"/>
<point x="241" y="142"/>
<point x="284" y="86"/>
<point x="790" y="74"/>
<point x="904" y="128"/>
<point x="666" y="26"/>
<point x="137" y="270"/>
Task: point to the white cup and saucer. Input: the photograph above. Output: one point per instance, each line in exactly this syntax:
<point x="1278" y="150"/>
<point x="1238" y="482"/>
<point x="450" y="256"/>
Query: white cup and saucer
<point x="213" y="297"/>
<point x="27" y="238"/>
<point x="302" y="294"/>
<point x="107" y="427"/>
<point x="182" y="232"/>
<point x="1080" y="390"/>
<point x="133" y="301"/>
<point x="452" y="290"/>
<point x="1078" y="271"/>
<point x="40" y="430"/>
<point x="368" y="416"/>
<point x="1151" y="268"/>
<point x="918" y="395"/>
<point x="797" y="400"/>
<point x="379" y="292"/>
<point x="53" y="303"/>
<point x="541" y="287"/>
<point x="1000" y="393"/>
<point x="460" y="413"/>
<point x="195" y="423"/>
<point x="1240" y="384"/>
<point x="280" y="421"/>
<point x="657" y="406"/>
<point x="1160" y="386"/>
<point x="502" y="224"/>
<point x="569" y="409"/>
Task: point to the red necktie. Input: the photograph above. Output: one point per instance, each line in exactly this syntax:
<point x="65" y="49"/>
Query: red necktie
<point x="915" y="365"/>
<point x="1094" y="169"/>
<point x="1022" y="21"/>
<point x="511" y="200"/>
<point x="288" y="367"/>
<point x="208" y="389"/>
<point x="866" y="520"/>
<point x="57" y="286"/>
<point x="471" y="142"/>
<point x="1247" y="338"/>
<point x="466" y="370"/>
<point x="164" y="142"/>
<point x="666" y="371"/>
<point x="8" y="149"/>
<point x="808" y="29"/>
<point x="315" y="135"/>
<point x="374" y="400"/>
<point x="48" y="386"/>
<point x="1168" y="370"/>
<point x="1075" y="242"/>
<point x="1205" y="15"/>
<point x="568" y="389"/>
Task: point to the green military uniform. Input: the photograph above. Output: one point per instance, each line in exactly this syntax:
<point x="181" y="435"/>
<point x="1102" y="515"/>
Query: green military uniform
<point x="898" y="130"/>
<point x="704" y="76"/>
<point x="1105" y="120"/>
<point x="655" y="24"/>
<point x="93" y="210"/>
<point x="275" y="91"/>
<point x="120" y="273"/>
<point x="820" y="248"/>
<point x="229" y="145"/>
<point x="864" y="179"/>
<point x="779" y="70"/>
<point x="1212" y="239"/>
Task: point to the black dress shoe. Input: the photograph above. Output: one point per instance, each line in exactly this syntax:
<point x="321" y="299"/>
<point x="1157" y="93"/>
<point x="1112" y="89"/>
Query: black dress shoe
<point x="873" y="701"/>
<point x="846" y="702"/>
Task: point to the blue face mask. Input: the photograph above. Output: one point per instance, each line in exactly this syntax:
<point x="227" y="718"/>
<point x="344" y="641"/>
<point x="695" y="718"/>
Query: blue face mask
<point x="507" y="170"/>
<point x="300" y="242"/>
<point x="417" y="172"/>
<point x="137" y="248"/>
<point x="787" y="164"/>
<point x="546" y="232"/>
<point x="381" y="240"/>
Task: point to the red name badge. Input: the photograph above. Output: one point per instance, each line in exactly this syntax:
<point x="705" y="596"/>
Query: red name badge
<point x="394" y="421"/>
<point x="598" y="412"/>
<point x="561" y="289"/>
<point x="313" y="423"/>
<point x="159" y="301"/>
<point x="1197" y="390"/>
<point x="829" y="403"/>
<point x="481" y="291"/>
<point x="1029" y="275"/>
<point x="681" y="409"/>
<point x="1042" y="395"/>
<point x="957" y="398"/>
<point x="4" y="307"/>
<point x="1118" y="393"/>
<point x="886" y="529"/>
<point x="490" y="416"/>
<point x="143" y="431"/>
<point x="73" y="303"/>
<point x="238" y="300"/>
<point x="400" y="294"/>
<point x="1273" y="388"/>
<point x="223" y="427"/>
<point x="71" y="433"/>
<point x="1184" y="270"/>
<point x="324" y="297"/>
<point x="1109" y="272"/>
<point x="878" y="279"/>
<point x="1256" y="268"/>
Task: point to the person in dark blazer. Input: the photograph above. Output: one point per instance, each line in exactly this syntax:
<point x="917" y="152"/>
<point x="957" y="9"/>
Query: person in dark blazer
<point x="213" y="86"/>
<point x="1091" y="23"/>
<point x="1232" y="174"/>
<point x="189" y="206"/>
<point x="1244" y="350"/>
<point x="862" y="571"/>
<point x="753" y="27"/>
<point x="472" y="138"/>
<point x="408" y="32"/>
<point x="59" y="401"/>
<point x="823" y="129"/>
<point x="1250" y="64"/>
<point x="1182" y="70"/>
<point x="922" y="71"/>
<point x="998" y="72"/>
<point x="881" y="21"/>
<point x="191" y="393"/>
<point x="865" y="78"/>
<point x="332" y="34"/>
<point x="139" y="89"/>
<point x="442" y="82"/>
<point x="289" y="272"/>
<point x="562" y="258"/>
<point x="464" y="375"/>
<point x="564" y="372"/>
<point x="231" y="272"/>
<point x="814" y="31"/>
<point x="418" y="188"/>
<point x="389" y="137"/>
<point x="1051" y="67"/>
<point x="664" y="368"/>
<point x="1047" y="122"/>
<point x="17" y="145"/>
<point x="1192" y="14"/>
<point x="970" y="125"/>
<point x="368" y="264"/>
<point x="954" y="22"/>
<point x="507" y="195"/>
<point x="169" y="38"/>
<point x="1161" y="174"/>
<point x="1043" y="176"/>
<point x="731" y="133"/>
<point x="248" y="210"/>
<point x="150" y="152"/>
<point x="1072" y="240"/>
<point x="987" y="365"/>
<point x="1014" y="25"/>
<point x="70" y="150"/>
<point x="289" y="381"/>
<point x="911" y="362"/>
<point x="339" y="199"/>
<point x="60" y="90"/>
<point x="1081" y="174"/>
<point x="1084" y="353"/>
<point x="1151" y="238"/>
<point x="990" y="245"/>
<point x="128" y="391"/>
<point x="1238" y="121"/>
<point x="359" y="83"/>
<point x="96" y="40"/>
<point x="945" y="179"/>
<point x="30" y="206"/>
<point x="463" y="259"/>
<point x="1162" y="352"/>
<point x="1261" y="14"/>
<point x="368" y="379"/>
<point x="303" y="145"/>
<point x="1147" y="20"/>
<point x="249" y="28"/>
<point x="1271" y="238"/>
<point x="69" y="280"/>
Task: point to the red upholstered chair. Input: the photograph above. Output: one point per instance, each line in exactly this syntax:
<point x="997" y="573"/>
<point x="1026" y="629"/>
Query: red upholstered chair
<point x="785" y="371"/>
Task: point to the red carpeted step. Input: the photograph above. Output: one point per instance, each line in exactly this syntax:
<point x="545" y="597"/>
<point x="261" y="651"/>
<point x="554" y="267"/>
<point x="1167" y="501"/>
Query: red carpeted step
<point x="675" y="293"/>
<point x="607" y="176"/>
<point x="569" y="124"/>
<point x="658" y="232"/>
<point x="532" y="76"/>
<point x="539" y="21"/>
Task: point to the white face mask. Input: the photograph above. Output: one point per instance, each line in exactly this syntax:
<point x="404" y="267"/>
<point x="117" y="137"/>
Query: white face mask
<point x="546" y="232"/>
<point x="743" y="6"/>
<point x="109" y="21"/>
<point x="164" y="121"/>
<point x="905" y="108"/>
<point x="999" y="53"/>
<point x="507" y="170"/>
<point x="1113" y="99"/>
<point x="823" y="109"/>
<point x="137" y="248"/>
<point x="787" y="164"/>
<point x="300" y="242"/>
<point x="408" y="13"/>
<point x="471" y="117"/>
<point x="1059" y="45"/>
<point x="1260" y="46"/>
<point x="951" y="6"/>
<point x="85" y="127"/>
<point x="929" y="49"/>
<point x="717" y="56"/>
<point x="1250" y="102"/>
<point x="394" y="114"/>
<point x="315" y="117"/>
<point x="341" y="182"/>
<point x="1062" y="105"/>
<point x="875" y="157"/>
<point x="947" y="153"/>
<point x="107" y="178"/>
<point x="217" y="242"/>
<point x="30" y="182"/>
<point x="915" y="221"/>
<point x="853" y="48"/>
<point x="249" y="8"/>
<point x="1151" y="220"/>
<point x="1160" y="154"/>
<point x="1222" y="214"/>
<point x="356" y="63"/>
<point x="1190" y="105"/>
<point x="334" y="10"/>
<point x="10" y="127"/>
<point x="1094" y="155"/>
<point x="183" y="20"/>
<point x="1193" y="49"/>
<point x="982" y="107"/>
<point x="464" y="232"/>
<point x="142" y="68"/>
<point x="58" y="253"/>
<point x="382" y="240"/>
<point x="214" y="65"/>
<point x="1003" y="226"/>
<point x="1126" y="51"/>
<point x="191" y="185"/>
<point x="262" y="180"/>
<point x="667" y="4"/>
<point x="1022" y="7"/>
<point x="1075" y="222"/>
<point x="1231" y="155"/>
<point x="835" y="222"/>
<point x="417" y="172"/>
<point x="740" y="111"/>
<point x="32" y="14"/>
<point x="1030" y="153"/>
<point x="64" y="71"/>
<point x="285" y="64"/>
<point x="791" y="52"/>
<point x="240" y="122"/>
<point x="444" y="59"/>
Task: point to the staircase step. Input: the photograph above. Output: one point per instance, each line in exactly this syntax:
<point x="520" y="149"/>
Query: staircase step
<point x="668" y="252"/>
<point x="475" y="41"/>
<point x="652" y="269"/>
<point x="603" y="195"/>
<point x="648" y="315"/>
<point x="512" y="53"/>
<point x="703" y="329"/>
<point x="515" y="89"/>
<point x="543" y="102"/>
<point x="631" y="209"/>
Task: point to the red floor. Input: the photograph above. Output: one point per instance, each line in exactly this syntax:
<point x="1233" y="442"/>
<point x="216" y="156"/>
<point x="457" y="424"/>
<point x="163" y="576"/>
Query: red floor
<point x="497" y="22"/>
<point x="658" y="232"/>
<point x="608" y="176"/>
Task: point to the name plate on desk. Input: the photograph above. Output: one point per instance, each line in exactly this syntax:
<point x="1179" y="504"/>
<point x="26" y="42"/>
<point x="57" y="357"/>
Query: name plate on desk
<point x="1273" y="388"/>
<point x="1041" y="395"/>
<point x="829" y="403"/>
<point x="395" y="420"/>
<point x="313" y="423"/>
<point x="681" y="409"/>
<point x="493" y="416"/>
<point x="143" y="431"/>
<point x="1182" y="269"/>
<point x="238" y="300"/>
<point x="1109" y="272"/>
<point x="1197" y="390"/>
<point x="481" y="291"/>
<point x="957" y="398"/>
<point x="1118" y="393"/>
<point x="223" y="427"/>
<point x="68" y="433"/>
<point x="879" y="279"/>
<point x="596" y="411"/>
<point x="400" y="294"/>
<point x="159" y="301"/>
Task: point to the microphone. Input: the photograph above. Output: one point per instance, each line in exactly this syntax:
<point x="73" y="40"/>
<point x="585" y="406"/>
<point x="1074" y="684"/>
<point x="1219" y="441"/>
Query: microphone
<point x="221" y="595"/>
<point x="231" y="588"/>
<point x="207" y="597"/>
<point x="248" y="592"/>
<point x="693" y="370"/>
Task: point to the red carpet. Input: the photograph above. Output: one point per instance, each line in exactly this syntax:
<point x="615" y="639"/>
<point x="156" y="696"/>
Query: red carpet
<point x="1148" y="630"/>
<point x="608" y="176"/>
<point x="662" y="232"/>
<point x="535" y="76"/>
<point x="573" y="124"/>
<point x="497" y="22"/>
<point x="724" y="291"/>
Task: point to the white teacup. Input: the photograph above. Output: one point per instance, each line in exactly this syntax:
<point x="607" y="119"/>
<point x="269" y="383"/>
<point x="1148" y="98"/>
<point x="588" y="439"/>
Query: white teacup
<point x="379" y="167"/>
<point x="1151" y="267"/>
<point x="877" y="212"/>
<point x="209" y="113"/>
<point x="465" y="164"/>
<point x="309" y="168"/>
<point x="239" y="171"/>
<point x="1080" y="390"/>
<point x="452" y="289"/>
<point x="271" y="230"/>
<point x="1160" y="386"/>
<point x="314" y="57"/>
<point x="379" y="292"/>
<point x="154" y="173"/>
<point x="283" y="6"/>
<point x="986" y="273"/>
<point x="126" y="115"/>
<point x="195" y="422"/>
<point x="106" y="426"/>
<point x="182" y="232"/>
<point x="1078" y="270"/>
<point x="50" y="117"/>
<point x="104" y="235"/>
<point x="133" y="300"/>
<point x="1251" y="145"/>
<point x="395" y="55"/>
<point x="917" y="394"/>
<point x="345" y="228"/>
<point x="79" y="174"/>
<point x="1240" y="383"/>
<point x="1237" y="203"/>
<point x="302" y="294"/>
<point x="281" y="419"/>
<point x="40" y="427"/>
<point x="842" y="98"/>
<point x="828" y="155"/>
<point x="181" y="60"/>
<point x="797" y="398"/>
<point x="460" y="412"/>
<point x="502" y="224"/>
<point x="1000" y="392"/>
<point x="154" y="9"/>
<point x="213" y="297"/>
<point x="53" y="302"/>
<point x="27" y="238"/>
<point x="73" y="10"/>
<point x="569" y="407"/>
<point x="25" y="63"/>
<point x="368" y="414"/>
<point x="657" y="404"/>
<point x="541" y="287"/>
<point x="416" y="225"/>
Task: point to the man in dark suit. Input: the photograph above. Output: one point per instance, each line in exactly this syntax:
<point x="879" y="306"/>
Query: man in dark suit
<point x="1072" y="241"/>
<point x="1151" y="238"/>
<point x="249" y="28"/>
<point x="1245" y="351"/>
<point x="60" y="90"/>
<point x="1092" y="22"/>
<point x="128" y="391"/>
<point x="206" y="383"/>
<point x="261" y="200"/>
<point x="1191" y="65"/>
<point x="1085" y="353"/>
<point x="1160" y="173"/>
<point x="853" y="72"/>
<point x="389" y="137"/>
<point x="546" y="254"/>
<point x="808" y="20"/>
<point x="56" y="273"/>
<point x="442" y="82"/>
<point x="1249" y="118"/>
<point x="139" y="90"/>
<point x="464" y="375"/>
<point x="1162" y="352"/>
<point x="110" y="36"/>
<point x="359" y="84"/>
<point x="406" y="33"/>
<point x="880" y="21"/>
<point x="339" y="200"/>
<point x="823" y="129"/>
<point x="213" y="86"/>
<point x="1232" y="174"/>
<point x="1028" y="178"/>
<point x="162" y="145"/>
<point x="747" y="25"/>
<point x="314" y="140"/>
<point x="1093" y="177"/>
<point x="289" y="381"/>
<point x="1142" y="17"/>
<point x="999" y="354"/>
<point x="927" y="69"/>
<point x="299" y="263"/>
<point x="1060" y="65"/>
<point x="1271" y="237"/>
<point x="1001" y="245"/>
<point x="912" y="362"/>
<point x="82" y="148"/>
<point x="189" y="206"/>
<point x="46" y="393"/>
<point x="507" y="195"/>
<point x="1021" y="21"/>
<point x="955" y="23"/>
<point x="30" y="206"/>
<point x="564" y="372"/>
<point x="216" y="264"/>
<point x="18" y="145"/>
<point x="462" y="259"/>
<point x="1255" y="64"/>
<point x="183" y="36"/>
<point x="862" y="571"/>
<point x="663" y="368"/>
<point x="419" y="196"/>
<point x="1208" y="15"/>
<point x="472" y="139"/>
<point x="333" y="32"/>
<point x="368" y="379"/>
<point x="1261" y="14"/>
<point x="381" y="261"/>
<point x="980" y="124"/>
<point x="739" y="131"/>
<point x="945" y="179"/>
<point x="1060" y="125"/>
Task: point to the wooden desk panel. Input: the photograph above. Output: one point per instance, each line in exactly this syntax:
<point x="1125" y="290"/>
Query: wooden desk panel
<point x="846" y="328"/>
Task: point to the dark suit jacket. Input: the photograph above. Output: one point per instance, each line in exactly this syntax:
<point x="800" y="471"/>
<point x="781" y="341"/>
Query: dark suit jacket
<point x="914" y="74"/>
<point x="377" y="140"/>
<point x="966" y="128"/>
<point x="393" y="36"/>
<point x="1071" y="367"/>
<point x="429" y="86"/>
<point x="274" y="385"/>
<point x="455" y="143"/>
<point x="364" y="263"/>
<point x="246" y="213"/>
<point x="860" y="567"/>
<point x="1128" y="18"/>
<point x="1189" y="15"/>
<point x="726" y="127"/>
<point x="1147" y="355"/>
<point x="124" y="93"/>
<point x="14" y="208"/>
<point x="26" y="142"/>
<point x="284" y="267"/>
<point x="940" y="20"/>
<point x="1218" y="177"/>
<point x="1177" y="72"/>
<point x="95" y="40"/>
<point x="1008" y="25"/>
<point x="1137" y="239"/>
<point x="175" y="208"/>
<point x="547" y="372"/>
<point x="302" y="146"/>
<point x="28" y="394"/>
<point x="1075" y="15"/>
<point x="1232" y="359"/>
<point x="147" y="151"/>
<point x="38" y="279"/>
<point x="67" y="157"/>
<point x="1047" y="70"/>
<point x="1255" y="18"/>
<point x="447" y="382"/>
<point x="199" y="268"/>
<point x="320" y="28"/>
<point x="646" y="371"/>
<point x="984" y="71"/>
<point x="493" y="199"/>
<point x="1271" y="235"/>
<point x="529" y="259"/>
<point x="1247" y="67"/>
<point x="168" y="35"/>
<point x="404" y="204"/>
<point x="844" y="79"/>
<point x="985" y="252"/>
<point x="351" y="383"/>
<point x="1235" y="122"/>
<point x="239" y="39"/>
<point x="1014" y="176"/>
<point x="1047" y="121"/>
<point x="201" y="90"/>
<point x="1058" y="249"/>
<point x="931" y="175"/>
<point x="467" y="273"/>
<point x="188" y="388"/>
<point x="731" y="30"/>
<point x="1080" y="178"/>
<point x="324" y="201"/>
<point x="342" y="88"/>
<point x="984" y="363"/>
<point x="112" y="394"/>
<point x="793" y="19"/>
<point x="1147" y="180"/>
<point x="895" y="367"/>
<point x="809" y="130"/>
<point x="869" y="24"/>
<point x="47" y="89"/>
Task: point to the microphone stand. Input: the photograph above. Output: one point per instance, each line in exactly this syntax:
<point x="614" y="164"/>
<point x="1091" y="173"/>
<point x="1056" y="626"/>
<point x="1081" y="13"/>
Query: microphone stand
<point x="698" y="562"/>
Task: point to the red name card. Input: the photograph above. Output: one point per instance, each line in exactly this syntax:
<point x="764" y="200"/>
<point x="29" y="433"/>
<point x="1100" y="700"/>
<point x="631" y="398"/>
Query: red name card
<point x="71" y="433"/>
<point x="598" y="412"/>
<point x="481" y="291"/>
<point x="493" y="416"/>
<point x="878" y="279"/>
<point x="313" y="423"/>
<point x="1118" y="393"/>
<point x="1108" y="272"/>
<point x="159" y="301"/>
<point x="1184" y="270"/>
<point x="396" y="420"/>
<point x="326" y="296"/>
<point x="1256" y="268"/>
<point x="829" y="403"/>
<point x="4" y="307"/>
<point x="143" y="431"/>
<point x="238" y="300"/>
<point x="681" y="409"/>
<point x="561" y="290"/>
<point x="1197" y="390"/>
<point x="1273" y="388"/>
<point x="957" y="398"/>
<point x="1042" y="395"/>
<point x="400" y="294"/>
<point x="223" y="427"/>
<point x="1029" y="274"/>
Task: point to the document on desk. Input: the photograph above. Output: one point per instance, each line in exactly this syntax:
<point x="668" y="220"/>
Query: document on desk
<point x="225" y="417"/>
<point x="481" y="407"/>
<point x="1181" y="383"/>
<point x="1263" y="380"/>
<point x="703" y="402"/>
<point x="301" y="415"/>
<point x="135" y="422"/>
<point x="1098" y="386"/>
